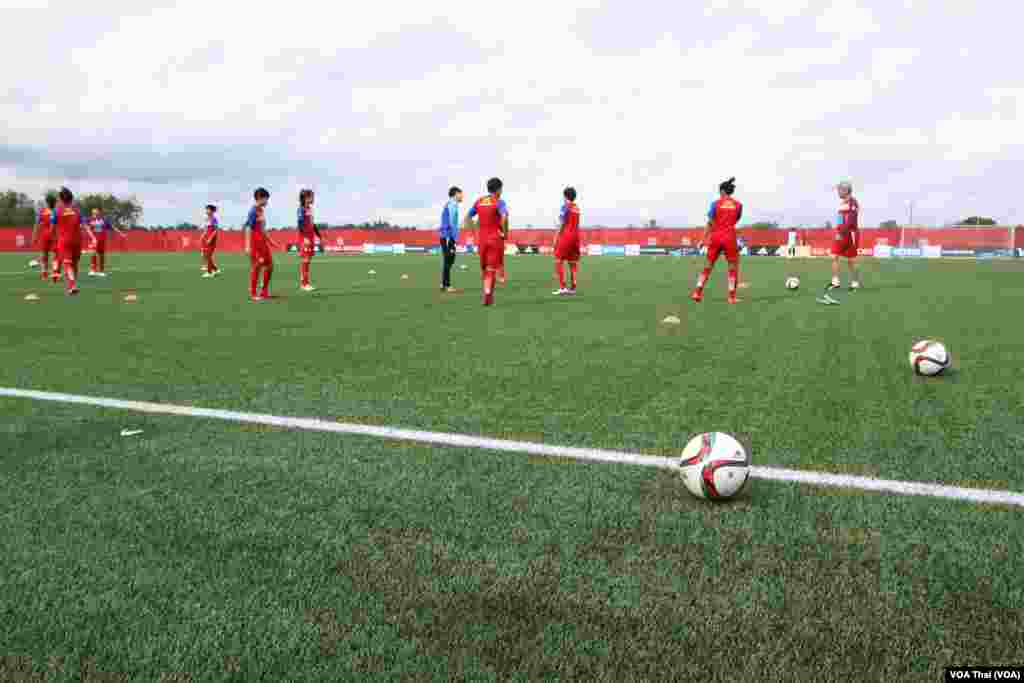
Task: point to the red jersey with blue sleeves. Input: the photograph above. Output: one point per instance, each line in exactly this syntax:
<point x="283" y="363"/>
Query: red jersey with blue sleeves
<point x="99" y="226"/>
<point x="69" y="225"/>
<point x="724" y="215"/>
<point x="212" y="225"/>
<point x="569" y="218"/>
<point x="305" y="222"/>
<point x="256" y="221"/>
<point x="848" y="215"/>
<point x="491" y="211"/>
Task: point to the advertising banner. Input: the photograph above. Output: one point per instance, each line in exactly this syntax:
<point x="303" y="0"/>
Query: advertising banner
<point x="994" y="253"/>
<point x="905" y="252"/>
<point x="594" y="249"/>
<point x="1020" y="252"/>
<point x="957" y="252"/>
<point x="397" y="248"/>
<point x="615" y="250"/>
<point x="932" y="251"/>
<point x="293" y="248"/>
<point x="883" y="251"/>
<point x="632" y="250"/>
<point x="369" y="248"/>
<point x="763" y="250"/>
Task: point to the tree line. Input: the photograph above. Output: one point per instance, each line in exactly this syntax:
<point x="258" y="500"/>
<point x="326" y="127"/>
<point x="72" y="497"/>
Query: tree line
<point x="18" y="210"/>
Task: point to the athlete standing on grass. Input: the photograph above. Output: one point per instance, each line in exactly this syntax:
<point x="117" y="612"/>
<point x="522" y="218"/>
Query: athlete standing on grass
<point x="567" y="243"/>
<point x="847" y="237"/>
<point x="44" y="237"/>
<point x="258" y="245"/>
<point x="208" y="242"/>
<point x="309" y="237"/>
<point x="69" y="237"/>
<point x="98" y="227"/>
<point x="449" y="234"/>
<point x="493" y="219"/>
<point x="719" y="236"/>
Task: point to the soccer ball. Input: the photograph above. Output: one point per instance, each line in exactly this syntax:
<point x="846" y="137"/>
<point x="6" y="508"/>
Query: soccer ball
<point x="715" y="466"/>
<point x="929" y="358"/>
<point x="34" y="264"/>
<point x="792" y="283"/>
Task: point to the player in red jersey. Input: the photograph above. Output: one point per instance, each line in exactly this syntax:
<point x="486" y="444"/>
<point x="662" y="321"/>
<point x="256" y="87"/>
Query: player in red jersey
<point x="69" y="237"/>
<point x="719" y="236"/>
<point x="208" y="242"/>
<point x="492" y="214"/>
<point x="258" y="245"/>
<point x="309" y="237"/>
<point x="44" y="237"/>
<point x="98" y="227"/>
<point x="567" y="243"/>
<point x="847" y="237"/>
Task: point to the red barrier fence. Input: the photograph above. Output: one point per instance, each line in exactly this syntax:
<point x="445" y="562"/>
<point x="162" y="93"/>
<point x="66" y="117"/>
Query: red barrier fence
<point x="19" y="239"/>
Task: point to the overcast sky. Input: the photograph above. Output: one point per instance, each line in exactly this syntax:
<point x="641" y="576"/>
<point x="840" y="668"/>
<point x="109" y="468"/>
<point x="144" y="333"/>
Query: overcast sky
<point x="643" y="106"/>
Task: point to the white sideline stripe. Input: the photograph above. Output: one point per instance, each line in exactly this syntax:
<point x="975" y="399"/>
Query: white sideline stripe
<point x="904" y="488"/>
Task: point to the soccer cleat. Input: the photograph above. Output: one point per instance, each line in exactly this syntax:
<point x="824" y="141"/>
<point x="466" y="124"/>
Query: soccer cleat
<point x="828" y="300"/>
<point x="571" y="291"/>
<point x="697" y="295"/>
<point x="560" y="292"/>
<point x="101" y="274"/>
<point x="854" y="286"/>
<point x="489" y="299"/>
<point x="731" y="299"/>
<point x="208" y="275"/>
<point x="308" y="288"/>
<point x="73" y="292"/>
<point x="92" y="273"/>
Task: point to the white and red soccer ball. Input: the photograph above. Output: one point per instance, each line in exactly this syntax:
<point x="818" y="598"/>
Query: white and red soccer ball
<point x="714" y="466"/>
<point x="929" y="358"/>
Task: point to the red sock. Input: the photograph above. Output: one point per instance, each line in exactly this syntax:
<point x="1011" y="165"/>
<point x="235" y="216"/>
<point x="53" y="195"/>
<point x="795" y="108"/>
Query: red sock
<point x="93" y="263"/>
<point x="703" y="279"/>
<point x="489" y="283"/>
<point x="103" y="262"/>
<point x="254" y="274"/>
<point x="70" y="276"/>
<point x="266" y="282"/>
<point x="572" y="273"/>
<point x="304" y="272"/>
<point x="210" y="265"/>
<point x="560" y="271"/>
<point x="44" y="266"/>
<point x="733" y="277"/>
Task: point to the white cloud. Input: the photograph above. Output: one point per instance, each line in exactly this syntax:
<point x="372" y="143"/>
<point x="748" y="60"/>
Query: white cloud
<point x="645" y="113"/>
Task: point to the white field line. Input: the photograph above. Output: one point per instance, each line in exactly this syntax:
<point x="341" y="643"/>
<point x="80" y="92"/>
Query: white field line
<point x="243" y="268"/>
<point x="904" y="488"/>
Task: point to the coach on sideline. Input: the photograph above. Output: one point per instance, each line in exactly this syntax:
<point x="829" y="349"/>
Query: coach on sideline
<point x="449" y="236"/>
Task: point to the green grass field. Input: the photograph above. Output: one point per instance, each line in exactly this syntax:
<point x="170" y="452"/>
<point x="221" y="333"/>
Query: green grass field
<point x="207" y="551"/>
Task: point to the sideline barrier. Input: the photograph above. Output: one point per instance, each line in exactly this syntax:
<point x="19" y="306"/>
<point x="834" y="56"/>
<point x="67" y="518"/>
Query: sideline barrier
<point x="950" y="241"/>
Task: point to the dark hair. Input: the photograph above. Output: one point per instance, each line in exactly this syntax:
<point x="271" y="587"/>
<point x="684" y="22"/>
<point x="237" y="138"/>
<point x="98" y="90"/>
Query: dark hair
<point x="51" y="200"/>
<point x="211" y="207"/>
<point x="494" y="185"/>
<point x="261" y="193"/>
<point x="570" y="194"/>
<point x="454" y="191"/>
<point x="728" y="187"/>
<point x="303" y="194"/>
<point x="65" y="195"/>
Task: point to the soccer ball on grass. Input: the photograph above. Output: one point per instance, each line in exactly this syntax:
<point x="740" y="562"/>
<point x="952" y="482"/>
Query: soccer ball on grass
<point x="792" y="282"/>
<point x="715" y="466"/>
<point x="929" y="358"/>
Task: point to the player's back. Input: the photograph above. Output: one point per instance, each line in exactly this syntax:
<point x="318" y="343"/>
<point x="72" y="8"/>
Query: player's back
<point x="571" y="218"/>
<point x="725" y="214"/>
<point x="69" y="225"/>
<point x="256" y="222"/>
<point x="491" y="211"/>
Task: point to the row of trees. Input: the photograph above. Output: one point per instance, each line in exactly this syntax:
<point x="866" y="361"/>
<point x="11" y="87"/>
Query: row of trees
<point x="17" y="209"/>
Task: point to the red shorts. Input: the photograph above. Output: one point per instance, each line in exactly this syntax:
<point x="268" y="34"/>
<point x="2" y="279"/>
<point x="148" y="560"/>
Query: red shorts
<point x="46" y="243"/>
<point x="307" y="247"/>
<point x="846" y="245"/>
<point x="259" y="251"/>
<point x="209" y="246"/>
<point x="70" y="252"/>
<point x="568" y="249"/>
<point x="492" y="255"/>
<point x="718" y="244"/>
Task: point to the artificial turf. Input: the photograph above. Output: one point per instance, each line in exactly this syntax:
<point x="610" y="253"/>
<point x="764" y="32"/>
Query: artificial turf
<point x="231" y="552"/>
